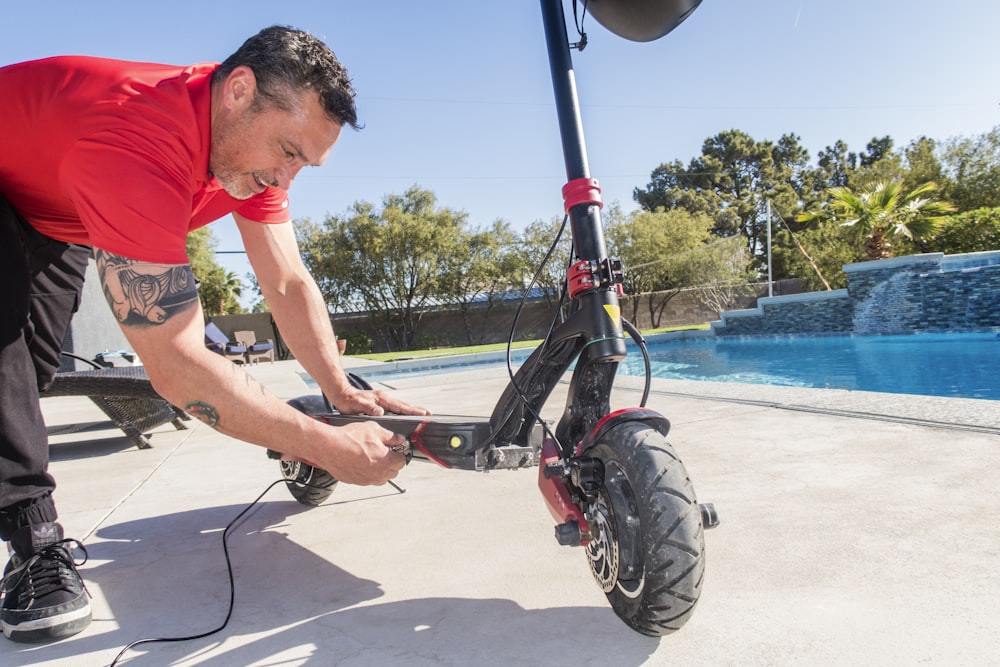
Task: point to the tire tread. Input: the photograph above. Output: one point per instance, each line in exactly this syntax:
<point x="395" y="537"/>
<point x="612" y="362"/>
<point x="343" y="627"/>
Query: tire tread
<point x="670" y="520"/>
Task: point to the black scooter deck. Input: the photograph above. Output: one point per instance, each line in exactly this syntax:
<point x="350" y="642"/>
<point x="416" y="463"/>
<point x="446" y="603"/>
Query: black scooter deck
<point x="452" y="441"/>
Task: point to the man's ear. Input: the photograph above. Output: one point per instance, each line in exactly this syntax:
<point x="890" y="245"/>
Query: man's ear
<point x="240" y="88"/>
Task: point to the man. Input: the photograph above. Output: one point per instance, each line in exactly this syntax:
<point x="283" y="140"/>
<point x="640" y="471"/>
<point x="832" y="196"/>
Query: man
<point x="121" y="160"/>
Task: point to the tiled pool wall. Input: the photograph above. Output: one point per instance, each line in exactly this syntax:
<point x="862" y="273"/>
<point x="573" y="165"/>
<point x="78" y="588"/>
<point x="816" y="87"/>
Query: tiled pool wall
<point x="932" y="293"/>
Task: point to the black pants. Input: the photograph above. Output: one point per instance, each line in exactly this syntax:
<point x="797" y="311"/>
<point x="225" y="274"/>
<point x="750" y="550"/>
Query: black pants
<point x="40" y="284"/>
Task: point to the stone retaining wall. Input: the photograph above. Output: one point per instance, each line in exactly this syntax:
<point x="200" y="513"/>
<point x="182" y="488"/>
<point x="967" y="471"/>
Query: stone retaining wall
<point x="932" y="293"/>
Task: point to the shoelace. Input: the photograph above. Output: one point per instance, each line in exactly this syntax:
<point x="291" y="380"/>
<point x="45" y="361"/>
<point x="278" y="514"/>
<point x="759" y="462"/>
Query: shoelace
<point x="50" y="569"/>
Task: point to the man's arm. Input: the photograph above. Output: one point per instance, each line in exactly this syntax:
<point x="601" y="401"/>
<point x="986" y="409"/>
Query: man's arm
<point x="157" y="308"/>
<point x="299" y="309"/>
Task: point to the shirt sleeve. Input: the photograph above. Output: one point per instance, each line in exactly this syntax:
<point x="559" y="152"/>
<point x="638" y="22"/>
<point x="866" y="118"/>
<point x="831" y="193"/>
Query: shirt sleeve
<point x="133" y="201"/>
<point x="269" y="207"/>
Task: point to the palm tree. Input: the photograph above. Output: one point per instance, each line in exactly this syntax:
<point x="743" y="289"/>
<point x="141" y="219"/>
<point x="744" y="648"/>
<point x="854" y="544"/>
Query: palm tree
<point x="884" y="211"/>
<point x="232" y="290"/>
<point x="219" y="291"/>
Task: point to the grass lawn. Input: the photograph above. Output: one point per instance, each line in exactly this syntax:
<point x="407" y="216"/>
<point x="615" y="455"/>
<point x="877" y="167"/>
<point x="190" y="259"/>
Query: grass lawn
<point x="449" y="351"/>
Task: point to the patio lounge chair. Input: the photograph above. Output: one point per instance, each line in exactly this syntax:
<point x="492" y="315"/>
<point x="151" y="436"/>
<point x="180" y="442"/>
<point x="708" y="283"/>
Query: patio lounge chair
<point x="218" y="342"/>
<point x="125" y="395"/>
<point x="255" y="350"/>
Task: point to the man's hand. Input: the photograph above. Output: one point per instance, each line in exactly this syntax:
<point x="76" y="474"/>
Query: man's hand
<point x="375" y="402"/>
<point x="363" y="454"/>
<point x="372" y="462"/>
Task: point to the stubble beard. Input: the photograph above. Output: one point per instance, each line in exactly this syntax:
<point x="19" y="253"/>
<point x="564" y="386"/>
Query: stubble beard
<point x="224" y="145"/>
<point x="235" y="185"/>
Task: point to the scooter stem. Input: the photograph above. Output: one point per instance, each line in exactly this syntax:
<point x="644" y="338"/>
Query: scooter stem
<point x="564" y="87"/>
<point x="585" y="218"/>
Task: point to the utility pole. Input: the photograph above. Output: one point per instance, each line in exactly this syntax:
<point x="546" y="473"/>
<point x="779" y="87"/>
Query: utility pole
<point x="770" y="282"/>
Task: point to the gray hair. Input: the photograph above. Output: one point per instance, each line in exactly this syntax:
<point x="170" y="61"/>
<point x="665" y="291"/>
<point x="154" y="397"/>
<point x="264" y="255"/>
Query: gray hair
<point x="286" y="62"/>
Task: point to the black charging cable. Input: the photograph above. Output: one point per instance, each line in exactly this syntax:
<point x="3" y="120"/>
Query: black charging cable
<point x="229" y="568"/>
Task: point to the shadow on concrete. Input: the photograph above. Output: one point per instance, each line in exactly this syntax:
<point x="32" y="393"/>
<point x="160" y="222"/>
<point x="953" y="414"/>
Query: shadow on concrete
<point x="165" y="576"/>
<point x="89" y="447"/>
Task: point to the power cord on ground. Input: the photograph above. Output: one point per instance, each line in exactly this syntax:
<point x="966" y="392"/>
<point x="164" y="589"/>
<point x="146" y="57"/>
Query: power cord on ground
<point x="229" y="570"/>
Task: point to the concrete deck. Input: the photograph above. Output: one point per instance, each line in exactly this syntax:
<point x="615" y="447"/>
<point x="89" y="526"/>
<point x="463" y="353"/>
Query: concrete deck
<point x="857" y="529"/>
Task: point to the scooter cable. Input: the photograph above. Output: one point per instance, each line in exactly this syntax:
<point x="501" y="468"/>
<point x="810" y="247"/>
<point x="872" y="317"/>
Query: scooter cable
<point x="641" y="342"/>
<point x="229" y="569"/>
<point x="513" y="330"/>
<point x="578" y="18"/>
<point x="232" y="582"/>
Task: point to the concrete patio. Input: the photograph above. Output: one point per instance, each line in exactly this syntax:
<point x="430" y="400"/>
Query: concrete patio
<point x="857" y="529"/>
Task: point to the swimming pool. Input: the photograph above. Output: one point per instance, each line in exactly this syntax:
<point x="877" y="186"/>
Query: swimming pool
<point x="958" y="365"/>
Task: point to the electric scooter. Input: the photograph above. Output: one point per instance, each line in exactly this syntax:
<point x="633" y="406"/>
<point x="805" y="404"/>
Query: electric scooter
<point x="611" y="480"/>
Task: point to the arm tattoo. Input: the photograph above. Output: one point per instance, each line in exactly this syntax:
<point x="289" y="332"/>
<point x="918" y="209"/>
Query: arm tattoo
<point x="145" y="293"/>
<point x="204" y="412"/>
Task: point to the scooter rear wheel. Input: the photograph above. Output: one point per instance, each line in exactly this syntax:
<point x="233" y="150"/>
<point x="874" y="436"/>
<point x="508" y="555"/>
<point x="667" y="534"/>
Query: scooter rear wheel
<point x="647" y="550"/>
<point x="308" y="485"/>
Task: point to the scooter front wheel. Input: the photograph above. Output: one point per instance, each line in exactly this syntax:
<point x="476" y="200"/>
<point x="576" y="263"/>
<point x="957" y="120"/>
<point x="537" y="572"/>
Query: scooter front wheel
<point x="647" y="547"/>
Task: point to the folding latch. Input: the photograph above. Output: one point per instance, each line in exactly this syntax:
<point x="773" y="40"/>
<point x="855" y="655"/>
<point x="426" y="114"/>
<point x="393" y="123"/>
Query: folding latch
<point x="589" y="275"/>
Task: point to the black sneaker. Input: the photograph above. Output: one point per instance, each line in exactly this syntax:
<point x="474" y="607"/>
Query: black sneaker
<point x="44" y="596"/>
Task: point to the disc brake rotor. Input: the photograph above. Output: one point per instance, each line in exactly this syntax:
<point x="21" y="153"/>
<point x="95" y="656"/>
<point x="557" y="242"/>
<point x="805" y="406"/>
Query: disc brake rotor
<point x="294" y="471"/>
<point x="603" y="548"/>
<point x="615" y="549"/>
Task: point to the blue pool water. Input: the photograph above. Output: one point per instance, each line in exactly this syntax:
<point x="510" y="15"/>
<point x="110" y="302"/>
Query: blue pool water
<point x="959" y="365"/>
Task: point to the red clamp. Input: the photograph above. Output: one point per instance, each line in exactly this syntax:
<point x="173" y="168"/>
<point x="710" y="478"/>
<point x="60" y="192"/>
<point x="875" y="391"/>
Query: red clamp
<point x="580" y="278"/>
<point x="582" y="191"/>
<point x="585" y="276"/>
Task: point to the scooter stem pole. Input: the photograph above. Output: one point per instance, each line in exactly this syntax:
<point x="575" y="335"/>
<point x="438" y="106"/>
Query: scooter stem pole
<point x="564" y="87"/>
<point x="585" y="219"/>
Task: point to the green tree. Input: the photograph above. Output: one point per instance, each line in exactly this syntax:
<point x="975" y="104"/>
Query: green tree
<point x="232" y="289"/>
<point x="972" y="166"/>
<point x="835" y="166"/>
<point x="486" y="266"/>
<point x="328" y="261"/>
<point x="660" y="253"/>
<point x="389" y="260"/>
<point x="972" y="231"/>
<point x="219" y="290"/>
<point x="536" y="241"/>
<point x="817" y="253"/>
<point x="922" y="163"/>
<point x="885" y="211"/>
<point x="731" y="181"/>
<point x="878" y="163"/>
<point x="877" y="150"/>
<point x="721" y="271"/>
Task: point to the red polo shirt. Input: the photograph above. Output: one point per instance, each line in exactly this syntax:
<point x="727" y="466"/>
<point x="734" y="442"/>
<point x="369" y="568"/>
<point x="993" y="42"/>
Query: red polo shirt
<point x="114" y="154"/>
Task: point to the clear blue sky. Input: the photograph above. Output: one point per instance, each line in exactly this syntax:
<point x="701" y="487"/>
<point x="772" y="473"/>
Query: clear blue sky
<point x="456" y="96"/>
